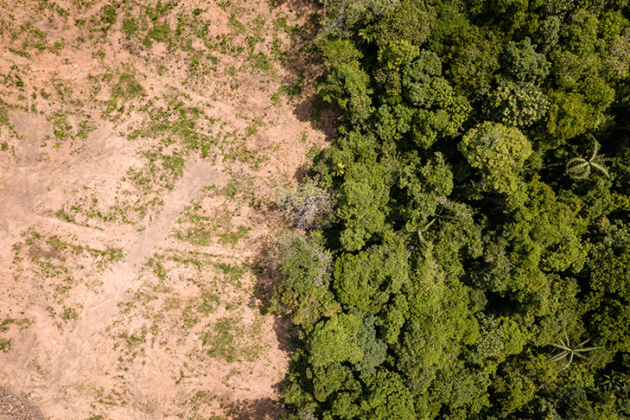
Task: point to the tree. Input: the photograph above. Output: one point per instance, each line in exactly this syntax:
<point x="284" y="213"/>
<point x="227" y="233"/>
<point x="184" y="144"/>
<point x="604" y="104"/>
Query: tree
<point x="517" y="105"/>
<point x="347" y="85"/>
<point x="335" y="340"/>
<point x="499" y="152"/>
<point x="580" y="168"/>
<point x="521" y="62"/>
<point x="387" y="398"/>
<point x="305" y="267"/>
<point x="307" y="205"/>
<point x="362" y="199"/>
<point x="367" y="280"/>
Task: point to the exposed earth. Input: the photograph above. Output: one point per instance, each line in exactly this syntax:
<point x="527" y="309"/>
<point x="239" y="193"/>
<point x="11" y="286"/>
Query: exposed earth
<point x="141" y="147"/>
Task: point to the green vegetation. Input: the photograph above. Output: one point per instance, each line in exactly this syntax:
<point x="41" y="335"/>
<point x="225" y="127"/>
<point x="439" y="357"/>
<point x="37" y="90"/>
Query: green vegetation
<point x="466" y="245"/>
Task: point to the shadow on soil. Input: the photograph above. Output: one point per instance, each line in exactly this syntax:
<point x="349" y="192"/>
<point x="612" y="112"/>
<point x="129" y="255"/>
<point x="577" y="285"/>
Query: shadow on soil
<point x="260" y="409"/>
<point x="304" y="66"/>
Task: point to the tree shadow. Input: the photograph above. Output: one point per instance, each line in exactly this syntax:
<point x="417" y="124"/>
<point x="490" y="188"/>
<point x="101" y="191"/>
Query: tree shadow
<point x="259" y="409"/>
<point x="267" y="278"/>
<point x="17" y="407"/>
<point x="304" y="66"/>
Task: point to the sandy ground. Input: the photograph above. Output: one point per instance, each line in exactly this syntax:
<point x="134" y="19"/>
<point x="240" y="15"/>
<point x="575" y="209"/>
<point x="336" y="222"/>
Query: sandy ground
<point x="137" y="181"/>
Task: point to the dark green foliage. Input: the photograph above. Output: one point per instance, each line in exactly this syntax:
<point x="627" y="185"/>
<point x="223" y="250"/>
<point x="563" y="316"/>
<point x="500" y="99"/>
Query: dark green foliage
<point x="347" y="85"/>
<point x="523" y="63"/>
<point x="305" y="268"/>
<point x="478" y="262"/>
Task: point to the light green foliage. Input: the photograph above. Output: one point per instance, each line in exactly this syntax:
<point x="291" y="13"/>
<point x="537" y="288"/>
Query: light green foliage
<point x="499" y="152"/>
<point x="394" y="122"/>
<point x="332" y="378"/>
<point x="361" y="199"/>
<point x="393" y="57"/>
<point x="426" y="186"/>
<point x="366" y="280"/>
<point x="393" y="319"/>
<point x="418" y="75"/>
<point x="461" y="389"/>
<point x="548" y="33"/>
<point x="443" y="111"/>
<point x="518" y="105"/>
<point x="514" y="391"/>
<point x="335" y="340"/>
<point x="573" y="114"/>
<point x="413" y="25"/>
<point x="610" y="262"/>
<point x="499" y="337"/>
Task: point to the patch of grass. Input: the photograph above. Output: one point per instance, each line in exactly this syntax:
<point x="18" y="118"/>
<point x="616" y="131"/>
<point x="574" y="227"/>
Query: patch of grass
<point x="229" y="340"/>
<point x="57" y="244"/>
<point x="232" y="238"/>
<point x="61" y="127"/>
<point x="157" y="267"/>
<point x="129" y="27"/>
<point x="233" y="272"/>
<point x="209" y="303"/>
<point x="108" y="16"/>
<point x="127" y="87"/>
<point x="261" y="61"/>
<point x="20" y="53"/>
<point x="160" y="33"/>
<point x="109" y="255"/>
<point x="220" y="340"/>
<point x="5" y="345"/>
<point x="69" y="314"/>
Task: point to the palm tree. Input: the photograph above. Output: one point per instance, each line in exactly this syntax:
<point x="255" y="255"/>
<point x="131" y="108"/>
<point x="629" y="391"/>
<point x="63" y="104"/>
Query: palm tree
<point x="565" y="346"/>
<point x="580" y="168"/>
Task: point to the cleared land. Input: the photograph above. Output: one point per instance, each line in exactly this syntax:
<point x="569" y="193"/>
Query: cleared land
<point x="142" y="143"/>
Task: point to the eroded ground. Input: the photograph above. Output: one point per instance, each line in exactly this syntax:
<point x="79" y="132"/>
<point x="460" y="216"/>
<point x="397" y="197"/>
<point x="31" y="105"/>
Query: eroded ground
<point x="141" y="145"/>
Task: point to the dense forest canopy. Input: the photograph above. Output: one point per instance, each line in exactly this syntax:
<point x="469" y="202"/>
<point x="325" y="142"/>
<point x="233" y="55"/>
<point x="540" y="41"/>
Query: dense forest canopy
<point x="464" y="250"/>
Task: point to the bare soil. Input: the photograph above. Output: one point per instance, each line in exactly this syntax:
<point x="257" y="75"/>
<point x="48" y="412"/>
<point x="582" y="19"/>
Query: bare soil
<point x="141" y="145"/>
